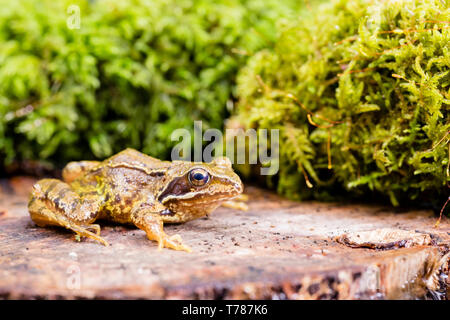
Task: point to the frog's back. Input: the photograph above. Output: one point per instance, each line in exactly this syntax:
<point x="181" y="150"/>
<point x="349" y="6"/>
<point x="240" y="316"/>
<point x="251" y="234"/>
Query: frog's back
<point x="135" y="159"/>
<point x="128" y="176"/>
<point x="133" y="171"/>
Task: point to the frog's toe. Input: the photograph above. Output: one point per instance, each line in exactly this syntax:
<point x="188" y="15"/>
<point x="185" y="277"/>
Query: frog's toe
<point x="183" y="247"/>
<point x="241" y="197"/>
<point x="175" y="242"/>
<point x="95" y="227"/>
<point x="237" y="205"/>
<point x="82" y="232"/>
<point x="176" y="238"/>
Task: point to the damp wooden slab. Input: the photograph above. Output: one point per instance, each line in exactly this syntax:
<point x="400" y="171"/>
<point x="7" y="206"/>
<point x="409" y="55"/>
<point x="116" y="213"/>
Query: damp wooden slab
<point x="279" y="249"/>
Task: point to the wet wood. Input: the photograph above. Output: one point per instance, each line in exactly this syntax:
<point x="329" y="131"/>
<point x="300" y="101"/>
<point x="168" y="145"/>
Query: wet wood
<point x="279" y="249"/>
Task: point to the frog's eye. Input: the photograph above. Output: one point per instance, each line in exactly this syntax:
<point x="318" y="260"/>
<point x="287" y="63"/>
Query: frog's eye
<point x="198" y="177"/>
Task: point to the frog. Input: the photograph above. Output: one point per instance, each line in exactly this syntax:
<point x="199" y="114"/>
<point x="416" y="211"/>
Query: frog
<point x="133" y="188"/>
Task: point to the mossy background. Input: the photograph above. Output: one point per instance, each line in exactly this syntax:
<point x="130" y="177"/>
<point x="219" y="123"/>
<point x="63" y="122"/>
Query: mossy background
<point x="134" y="72"/>
<point x="361" y="95"/>
<point x="360" y="89"/>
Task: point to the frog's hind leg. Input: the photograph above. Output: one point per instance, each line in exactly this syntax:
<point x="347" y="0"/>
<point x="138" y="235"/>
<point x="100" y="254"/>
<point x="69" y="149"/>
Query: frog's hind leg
<point x="54" y="203"/>
<point x="45" y="217"/>
<point x="74" y="169"/>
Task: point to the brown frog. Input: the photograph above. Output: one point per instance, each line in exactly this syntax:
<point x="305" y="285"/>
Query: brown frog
<point x="133" y="188"/>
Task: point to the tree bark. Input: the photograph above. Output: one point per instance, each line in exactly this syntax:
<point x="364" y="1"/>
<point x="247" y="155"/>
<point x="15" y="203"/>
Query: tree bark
<point x="278" y="249"/>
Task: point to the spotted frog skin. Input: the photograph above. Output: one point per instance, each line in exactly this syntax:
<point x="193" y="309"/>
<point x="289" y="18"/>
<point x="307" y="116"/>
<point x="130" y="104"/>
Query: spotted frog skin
<point x="133" y="188"/>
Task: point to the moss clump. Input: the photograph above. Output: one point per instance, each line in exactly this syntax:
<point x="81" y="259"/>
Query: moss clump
<point x="361" y="95"/>
<point x="132" y="73"/>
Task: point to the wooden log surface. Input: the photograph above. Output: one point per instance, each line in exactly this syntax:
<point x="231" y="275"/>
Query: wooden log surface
<point x="279" y="249"/>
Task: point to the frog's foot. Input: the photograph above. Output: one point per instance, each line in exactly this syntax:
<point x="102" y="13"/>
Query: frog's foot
<point x="237" y="203"/>
<point x="175" y="242"/>
<point x="152" y="224"/>
<point x="82" y="231"/>
<point x="241" y="197"/>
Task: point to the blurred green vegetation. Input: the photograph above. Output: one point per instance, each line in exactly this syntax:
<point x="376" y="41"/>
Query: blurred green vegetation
<point x="361" y="94"/>
<point x="132" y="73"/>
<point x="360" y="89"/>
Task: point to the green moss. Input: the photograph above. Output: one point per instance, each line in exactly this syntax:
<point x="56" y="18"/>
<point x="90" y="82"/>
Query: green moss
<point x="132" y="73"/>
<point x="363" y="87"/>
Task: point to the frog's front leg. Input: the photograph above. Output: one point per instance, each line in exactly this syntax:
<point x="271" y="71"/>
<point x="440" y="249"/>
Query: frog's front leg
<point x="148" y="218"/>
<point x="54" y="203"/>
